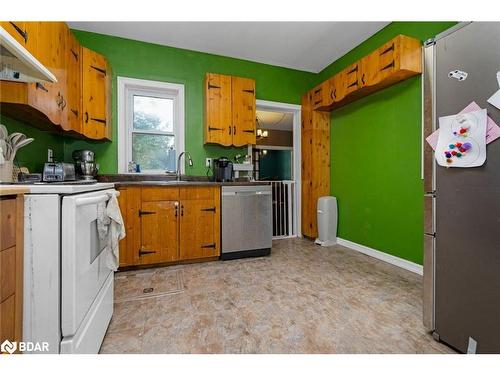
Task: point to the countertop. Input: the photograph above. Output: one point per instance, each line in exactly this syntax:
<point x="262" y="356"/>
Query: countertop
<point x="12" y="190"/>
<point x="136" y="179"/>
<point x="187" y="183"/>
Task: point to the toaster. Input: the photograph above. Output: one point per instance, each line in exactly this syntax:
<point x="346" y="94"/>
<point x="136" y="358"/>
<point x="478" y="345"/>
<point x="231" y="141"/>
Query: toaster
<point x="58" y="172"/>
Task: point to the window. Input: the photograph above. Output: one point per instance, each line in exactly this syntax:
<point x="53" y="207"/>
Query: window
<point x="150" y="124"/>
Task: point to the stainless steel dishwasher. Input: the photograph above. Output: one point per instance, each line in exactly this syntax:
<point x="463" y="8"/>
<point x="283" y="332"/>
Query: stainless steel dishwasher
<point x="246" y="221"/>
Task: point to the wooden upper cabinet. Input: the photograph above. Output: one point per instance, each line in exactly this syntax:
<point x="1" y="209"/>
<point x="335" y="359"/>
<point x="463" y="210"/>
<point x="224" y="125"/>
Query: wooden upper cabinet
<point x="95" y="87"/>
<point x="83" y="79"/>
<point x="49" y="98"/>
<point x="394" y="61"/>
<point x="74" y="85"/>
<point x="24" y="32"/>
<point x="218" y="126"/>
<point x="243" y="97"/>
<point x="229" y="110"/>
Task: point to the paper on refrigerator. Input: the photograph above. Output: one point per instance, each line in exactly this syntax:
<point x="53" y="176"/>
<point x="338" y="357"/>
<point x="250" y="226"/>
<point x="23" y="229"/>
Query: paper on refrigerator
<point x="495" y="98"/>
<point x="492" y="129"/>
<point x="462" y="140"/>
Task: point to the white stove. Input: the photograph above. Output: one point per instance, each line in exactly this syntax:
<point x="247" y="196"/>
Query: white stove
<point x="68" y="290"/>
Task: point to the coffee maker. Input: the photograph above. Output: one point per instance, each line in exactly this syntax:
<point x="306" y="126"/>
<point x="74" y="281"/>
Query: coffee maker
<point x="223" y="170"/>
<point x="85" y="166"/>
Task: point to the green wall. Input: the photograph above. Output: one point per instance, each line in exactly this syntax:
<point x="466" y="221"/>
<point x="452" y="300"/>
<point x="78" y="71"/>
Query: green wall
<point x="376" y="153"/>
<point x="35" y="154"/>
<point x="135" y="59"/>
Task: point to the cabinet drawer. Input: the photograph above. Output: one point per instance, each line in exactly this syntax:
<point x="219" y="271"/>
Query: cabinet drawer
<point x="7" y="273"/>
<point x="7" y="319"/>
<point x="7" y="223"/>
<point x="198" y="192"/>
<point x="152" y="194"/>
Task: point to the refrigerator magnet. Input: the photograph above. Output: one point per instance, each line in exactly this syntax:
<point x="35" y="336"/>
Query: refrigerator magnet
<point x="462" y="140"/>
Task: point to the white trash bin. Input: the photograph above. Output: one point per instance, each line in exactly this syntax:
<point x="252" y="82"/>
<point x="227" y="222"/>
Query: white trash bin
<point x="327" y="221"/>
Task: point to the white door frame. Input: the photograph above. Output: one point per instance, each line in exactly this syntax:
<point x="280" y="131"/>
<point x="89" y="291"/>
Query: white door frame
<point x="297" y="155"/>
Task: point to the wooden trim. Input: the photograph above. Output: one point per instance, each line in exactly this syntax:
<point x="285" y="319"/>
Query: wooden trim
<point x="18" y="329"/>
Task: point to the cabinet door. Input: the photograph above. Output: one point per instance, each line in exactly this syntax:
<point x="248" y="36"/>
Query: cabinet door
<point x="351" y="78"/>
<point x="370" y="69"/>
<point x="199" y="233"/>
<point x="243" y="93"/>
<point x="130" y="205"/>
<point x="218" y="127"/>
<point x="159" y="226"/>
<point x="48" y="98"/>
<point x="74" y="93"/>
<point x="23" y="32"/>
<point x="94" y="95"/>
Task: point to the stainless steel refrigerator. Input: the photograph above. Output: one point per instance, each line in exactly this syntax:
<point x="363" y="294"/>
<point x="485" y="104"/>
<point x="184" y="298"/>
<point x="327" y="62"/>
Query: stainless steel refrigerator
<point x="462" y="205"/>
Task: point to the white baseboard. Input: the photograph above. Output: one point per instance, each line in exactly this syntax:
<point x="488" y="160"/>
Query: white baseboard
<point x="399" y="262"/>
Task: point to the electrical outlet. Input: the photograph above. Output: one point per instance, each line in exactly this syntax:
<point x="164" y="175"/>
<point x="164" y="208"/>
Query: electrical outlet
<point x="208" y="162"/>
<point x="50" y="155"/>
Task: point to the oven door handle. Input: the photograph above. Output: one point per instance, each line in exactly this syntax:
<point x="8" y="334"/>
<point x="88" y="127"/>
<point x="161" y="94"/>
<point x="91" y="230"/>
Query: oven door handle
<point x="93" y="200"/>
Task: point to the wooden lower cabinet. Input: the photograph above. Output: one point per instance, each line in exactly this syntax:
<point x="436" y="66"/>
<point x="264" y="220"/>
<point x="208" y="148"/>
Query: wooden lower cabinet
<point x="11" y="266"/>
<point x="169" y="224"/>
<point x="159" y="232"/>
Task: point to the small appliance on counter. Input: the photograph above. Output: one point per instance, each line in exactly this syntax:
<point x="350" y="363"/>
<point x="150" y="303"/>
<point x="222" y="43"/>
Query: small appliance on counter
<point x="85" y="166"/>
<point x="58" y="172"/>
<point x="223" y="170"/>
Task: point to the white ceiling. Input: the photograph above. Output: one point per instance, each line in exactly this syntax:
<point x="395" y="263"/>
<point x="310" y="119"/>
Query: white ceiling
<point x="275" y="120"/>
<point x="308" y="46"/>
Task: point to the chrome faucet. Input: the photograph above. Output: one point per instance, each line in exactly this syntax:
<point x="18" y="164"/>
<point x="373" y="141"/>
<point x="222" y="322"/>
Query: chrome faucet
<point x="190" y="162"/>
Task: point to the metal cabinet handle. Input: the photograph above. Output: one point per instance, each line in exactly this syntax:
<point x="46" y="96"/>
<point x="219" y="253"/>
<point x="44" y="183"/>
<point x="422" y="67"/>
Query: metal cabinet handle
<point x="210" y="86"/>
<point x="102" y="121"/>
<point x="317" y="91"/>
<point x="353" y="84"/>
<point x="234" y="130"/>
<point x="391" y="65"/>
<point x="41" y="87"/>
<point x="248" y="131"/>
<point x="145" y="252"/>
<point x="230" y="129"/>
<point x="63" y="102"/>
<point x="391" y="48"/>
<point x="182" y="210"/>
<point x="211" y="128"/>
<point x="363" y="79"/>
<point x="142" y="213"/>
<point x="75" y="112"/>
<point x="20" y="31"/>
<point x="249" y="91"/>
<point x="100" y="70"/>
<point x="353" y="70"/>
<point x="86" y="117"/>
<point x="212" y="209"/>
<point x="208" y="246"/>
<point x="333" y="94"/>
<point x="74" y="54"/>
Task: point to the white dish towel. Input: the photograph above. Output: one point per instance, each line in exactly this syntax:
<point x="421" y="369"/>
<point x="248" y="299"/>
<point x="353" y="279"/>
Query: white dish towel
<point x="111" y="228"/>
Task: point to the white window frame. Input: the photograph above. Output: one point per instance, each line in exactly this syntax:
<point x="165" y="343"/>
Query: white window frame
<point x="127" y="88"/>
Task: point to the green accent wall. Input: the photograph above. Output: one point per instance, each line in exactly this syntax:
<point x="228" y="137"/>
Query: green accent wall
<point x="129" y="58"/>
<point x="376" y="156"/>
<point x="35" y="154"/>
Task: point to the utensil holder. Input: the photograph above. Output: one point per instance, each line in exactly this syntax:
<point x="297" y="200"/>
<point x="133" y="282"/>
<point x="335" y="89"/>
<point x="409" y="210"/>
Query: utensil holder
<point x="6" y="171"/>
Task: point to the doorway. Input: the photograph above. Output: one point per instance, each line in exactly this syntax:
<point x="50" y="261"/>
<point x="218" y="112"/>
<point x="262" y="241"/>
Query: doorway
<point x="276" y="157"/>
